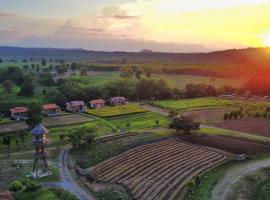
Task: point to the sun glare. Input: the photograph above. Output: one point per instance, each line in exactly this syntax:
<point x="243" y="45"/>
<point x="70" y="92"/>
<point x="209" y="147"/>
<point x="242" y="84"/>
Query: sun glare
<point x="267" y="40"/>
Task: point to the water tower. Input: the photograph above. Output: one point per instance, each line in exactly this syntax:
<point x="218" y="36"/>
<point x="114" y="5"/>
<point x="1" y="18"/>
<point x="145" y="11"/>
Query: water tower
<point x="40" y="140"/>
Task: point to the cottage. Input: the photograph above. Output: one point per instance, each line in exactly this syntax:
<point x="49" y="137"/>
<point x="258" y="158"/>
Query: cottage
<point x="115" y="101"/>
<point x="19" y="113"/>
<point x="51" y="110"/>
<point x="97" y="103"/>
<point x="75" y="106"/>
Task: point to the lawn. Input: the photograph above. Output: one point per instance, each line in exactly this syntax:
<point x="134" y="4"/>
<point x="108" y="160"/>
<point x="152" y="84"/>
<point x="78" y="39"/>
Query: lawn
<point x="186" y="104"/>
<point x="180" y="81"/>
<point x="139" y="121"/>
<point x="112" y="111"/>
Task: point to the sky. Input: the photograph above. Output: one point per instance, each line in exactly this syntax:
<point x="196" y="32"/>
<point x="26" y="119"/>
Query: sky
<point x="133" y="25"/>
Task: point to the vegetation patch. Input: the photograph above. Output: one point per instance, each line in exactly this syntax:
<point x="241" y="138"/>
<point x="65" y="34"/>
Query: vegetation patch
<point x="187" y="104"/>
<point x="112" y="111"/>
<point x="139" y="121"/>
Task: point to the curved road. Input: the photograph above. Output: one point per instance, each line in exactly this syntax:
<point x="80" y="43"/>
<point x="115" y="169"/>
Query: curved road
<point x="67" y="182"/>
<point x="233" y="176"/>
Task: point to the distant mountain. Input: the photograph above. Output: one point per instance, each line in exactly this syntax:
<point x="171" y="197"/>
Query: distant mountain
<point x="146" y="51"/>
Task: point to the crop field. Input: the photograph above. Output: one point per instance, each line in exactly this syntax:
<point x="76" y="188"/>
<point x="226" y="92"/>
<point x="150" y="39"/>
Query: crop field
<point x="112" y="111"/>
<point x="187" y="104"/>
<point x="229" y="144"/>
<point x="139" y="121"/>
<point x="49" y="122"/>
<point x="159" y="170"/>
<point x="258" y="126"/>
<point x="180" y="81"/>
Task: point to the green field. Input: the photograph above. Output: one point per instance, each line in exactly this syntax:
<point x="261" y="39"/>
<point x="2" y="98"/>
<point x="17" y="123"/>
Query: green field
<point x="186" y="104"/>
<point x="180" y="81"/>
<point x="139" y="121"/>
<point x="112" y="111"/>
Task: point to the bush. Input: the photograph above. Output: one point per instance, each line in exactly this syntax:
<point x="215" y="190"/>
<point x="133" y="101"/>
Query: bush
<point x="31" y="185"/>
<point x="15" y="186"/>
<point x="226" y="116"/>
<point x="62" y="194"/>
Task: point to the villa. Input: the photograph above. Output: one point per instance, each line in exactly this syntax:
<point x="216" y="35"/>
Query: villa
<point x="97" y="103"/>
<point x="76" y="106"/>
<point x="51" y="110"/>
<point x="116" y="101"/>
<point x="19" y="113"/>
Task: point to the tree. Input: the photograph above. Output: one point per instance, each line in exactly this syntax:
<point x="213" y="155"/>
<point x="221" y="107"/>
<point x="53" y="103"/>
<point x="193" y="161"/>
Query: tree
<point x="27" y="88"/>
<point x="43" y="62"/>
<point x="8" y="85"/>
<point x="34" y="115"/>
<point x="138" y="72"/>
<point x="7" y="141"/>
<point x="172" y="114"/>
<point x="1" y="60"/>
<point x="184" y="123"/>
<point x="126" y="72"/>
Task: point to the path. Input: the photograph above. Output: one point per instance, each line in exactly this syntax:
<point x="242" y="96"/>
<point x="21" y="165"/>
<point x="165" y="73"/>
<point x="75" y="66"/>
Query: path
<point x="67" y="182"/>
<point x="233" y="176"/>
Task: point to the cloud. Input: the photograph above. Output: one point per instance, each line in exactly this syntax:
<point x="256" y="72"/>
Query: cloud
<point x="7" y="15"/>
<point x="125" y="17"/>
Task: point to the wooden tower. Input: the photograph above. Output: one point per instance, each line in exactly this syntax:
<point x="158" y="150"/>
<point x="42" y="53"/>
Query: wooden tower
<point x="40" y="140"/>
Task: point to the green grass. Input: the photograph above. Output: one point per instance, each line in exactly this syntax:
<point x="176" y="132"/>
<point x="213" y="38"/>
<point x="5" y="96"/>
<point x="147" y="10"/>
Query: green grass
<point x="208" y="181"/>
<point x="186" y="104"/>
<point x="111" y="111"/>
<point x="41" y="194"/>
<point x="98" y="79"/>
<point x="139" y="121"/>
<point x="180" y="81"/>
<point x="230" y="133"/>
<point x="111" y="194"/>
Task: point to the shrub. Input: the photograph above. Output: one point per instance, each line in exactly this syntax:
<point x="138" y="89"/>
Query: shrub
<point x="32" y="185"/>
<point x="62" y="194"/>
<point x="226" y="116"/>
<point x="15" y="186"/>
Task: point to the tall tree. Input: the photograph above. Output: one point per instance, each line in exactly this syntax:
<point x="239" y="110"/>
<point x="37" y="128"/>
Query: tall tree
<point x="34" y="115"/>
<point x="27" y="88"/>
<point x="184" y="123"/>
<point x="8" y="85"/>
<point x="43" y="61"/>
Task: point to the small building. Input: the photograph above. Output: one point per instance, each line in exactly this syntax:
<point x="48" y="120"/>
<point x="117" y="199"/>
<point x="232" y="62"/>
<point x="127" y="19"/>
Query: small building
<point x="19" y="113"/>
<point x="76" y="106"/>
<point x="51" y="110"/>
<point x="97" y="103"/>
<point x="116" y="101"/>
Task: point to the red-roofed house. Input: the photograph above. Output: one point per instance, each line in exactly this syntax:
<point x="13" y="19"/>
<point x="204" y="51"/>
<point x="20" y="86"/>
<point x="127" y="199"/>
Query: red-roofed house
<point x="116" y="101"/>
<point x="6" y="196"/>
<point x="97" y="103"/>
<point x="76" y="106"/>
<point x="19" y="113"/>
<point x="51" y="109"/>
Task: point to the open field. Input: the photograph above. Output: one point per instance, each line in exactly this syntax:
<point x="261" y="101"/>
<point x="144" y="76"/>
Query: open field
<point x="48" y="121"/>
<point x="258" y="126"/>
<point x="208" y="115"/>
<point x="159" y="170"/>
<point x="139" y="121"/>
<point x="180" y="81"/>
<point x="186" y="104"/>
<point x="112" y="111"/>
<point x="230" y="144"/>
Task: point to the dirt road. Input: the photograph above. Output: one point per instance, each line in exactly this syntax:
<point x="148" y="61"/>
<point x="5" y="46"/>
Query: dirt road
<point x="67" y="182"/>
<point x="233" y="177"/>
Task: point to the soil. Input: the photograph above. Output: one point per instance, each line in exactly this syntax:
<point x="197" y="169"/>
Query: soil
<point x="258" y="126"/>
<point x="229" y="144"/>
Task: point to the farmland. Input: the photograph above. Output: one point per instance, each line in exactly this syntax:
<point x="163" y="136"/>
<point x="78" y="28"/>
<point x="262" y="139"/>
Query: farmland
<point x="160" y="169"/>
<point x="112" y="111"/>
<point x="196" y="103"/>
<point x="180" y="81"/>
<point x="258" y="126"/>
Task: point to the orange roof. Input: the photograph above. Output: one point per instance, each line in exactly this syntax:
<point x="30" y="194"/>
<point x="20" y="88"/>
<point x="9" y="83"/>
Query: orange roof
<point x="20" y="109"/>
<point x="6" y="196"/>
<point x="50" y="106"/>
<point x="97" y="101"/>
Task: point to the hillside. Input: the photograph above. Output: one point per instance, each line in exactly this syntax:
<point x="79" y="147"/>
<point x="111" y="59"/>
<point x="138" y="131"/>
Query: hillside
<point x="228" y="62"/>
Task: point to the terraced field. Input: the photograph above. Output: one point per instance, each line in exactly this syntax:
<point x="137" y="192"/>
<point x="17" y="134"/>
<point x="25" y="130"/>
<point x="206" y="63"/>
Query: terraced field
<point x="159" y="170"/>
